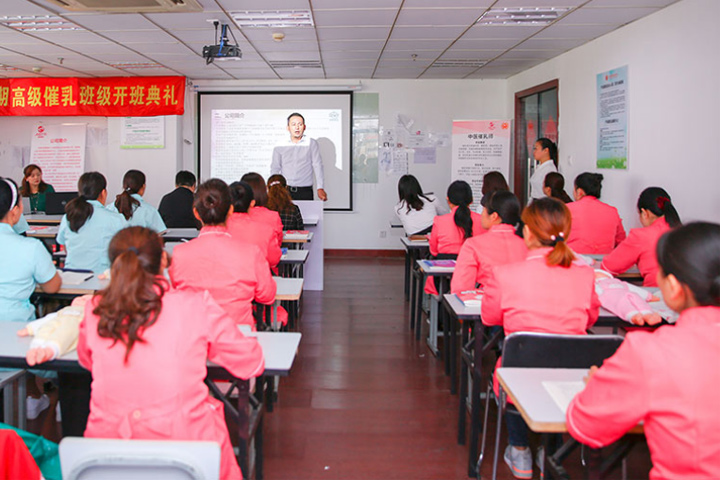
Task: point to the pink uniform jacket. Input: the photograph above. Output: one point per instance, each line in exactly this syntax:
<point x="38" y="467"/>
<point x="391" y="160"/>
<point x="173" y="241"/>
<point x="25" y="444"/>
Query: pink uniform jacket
<point x="234" y="273"/>
<point x="530" y="296"/>
<point x="246" y="228"/>
<point x="638" y="247"/>
<point x="270" y="217"/>
<point x="669" y="380"/>
<point x="596" y="226"/>
<point x="479" y="254"/>
<point x="159" y="392"/>
<point x="446" y="237"/>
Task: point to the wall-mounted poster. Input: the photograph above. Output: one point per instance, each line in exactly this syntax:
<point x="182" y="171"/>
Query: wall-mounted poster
<point x="612" y="113"/>
<point x="479" y="147"/>
<point x="60" y="151"/>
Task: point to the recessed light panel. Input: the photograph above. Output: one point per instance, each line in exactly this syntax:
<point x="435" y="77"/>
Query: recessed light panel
<point x="44" y="23"/>
<point x="530" y="16"/>
<point x="273" y="18"/>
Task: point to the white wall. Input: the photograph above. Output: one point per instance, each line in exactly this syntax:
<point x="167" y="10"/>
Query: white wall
<point x="433" y="105"/>
<point x="673" y="68"/>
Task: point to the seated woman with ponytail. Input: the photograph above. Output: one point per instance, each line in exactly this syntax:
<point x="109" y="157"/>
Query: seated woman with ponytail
<point x="147" y="346"/>
<point x="25" y="262"/>
<point x="87" y="226"/>
<point x="500" y="215"/>
<point x="657" y="216"/>
<point x="554" y="186"/>
<point x="547" y="292"/>
<point x="130" y="203"/>
<point x="450" y="231"/>
<point x="235" y="273"/>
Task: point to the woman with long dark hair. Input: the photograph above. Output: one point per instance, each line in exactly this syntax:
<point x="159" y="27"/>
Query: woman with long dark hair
<point x="657" y="215"/>
<point x="546" y="154"/>
<point x="34" y="188"/>
<point x="415" y="209"/>
<point x="554" y="186"/>
<point x="87" y="226"/>
<point x="280" y="201"/>
<point x="147" y="346"/>
<point x="133" y="207"/>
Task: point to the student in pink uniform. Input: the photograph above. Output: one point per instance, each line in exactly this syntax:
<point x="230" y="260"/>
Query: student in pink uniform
<point x="147" y="346"/>
<point x="260" y="212"/>
<point x="667" y="378"/>
<point x="234" y="272"/>
<point x="499" y="246"/>
<point x="547" y="292"/>
<point x="596" y="226"/>
<point x="554" y="186"/>
<point x="657" y="216"/>
<point x="450" y="231"/>
<point x="244" y="226"/>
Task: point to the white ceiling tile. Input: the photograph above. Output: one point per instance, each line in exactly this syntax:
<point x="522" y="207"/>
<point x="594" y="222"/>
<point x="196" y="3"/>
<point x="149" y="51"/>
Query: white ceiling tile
<point x="166" y="48"/>
<point x="354" y="18"/>
<point x="98" y="48"/>
<point x="264" y="47"/>
<point x="532" y="54"/>
<point x="198" y="35"/>
<point x="575" y="31"/>
<point x="9" y="36"/>
<point x="330" y="4"/>
<point x="291" y="34"/>
<point x="347" y="73"/>
<point x="439" y="16"/>
<point x="538" y="3"/>
<point x="404" y="63"/>
<point x="403" y="55"/>
<point x="448" y="3"/>
<point x="498" y="31"/>
<point x="352" y="44"/>
<point x="24" y="8"/>
<point x="175" y="21"/>
<point x="111" y="21"/>
<point x="485" y="43"/>
<point x="410" y="45"/>
<point x="139" y="36"/>
<point x="236" y="5"/>
<point x="427" y="32"/>
<point x="605" y="16"/>
<point x="350" y="55"/>
<point x="368" y="63"/>
<point x="286" y="56"/>
<point x="447" y="72"/>
<point x="67" y="37"/>
<point x="301" y="73"/>
<point x="390" y="72"/>
<point x="35" y="48"/>
<point x="551" y="43"/>
<point x="514" y="62"/>
<point x="345" y="33"/>
<point x="631" y="3"/>
<point x="469" y="55"/>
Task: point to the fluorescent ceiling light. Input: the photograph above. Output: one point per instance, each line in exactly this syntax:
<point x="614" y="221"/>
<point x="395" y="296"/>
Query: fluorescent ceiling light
<point x="273" y="18"/>
<point x="530" y="16"/>
<point x="458" y="63"/>
<point x="135" y="65"/>
<point x="296" y="64"/>
<point x="43" y="23"/>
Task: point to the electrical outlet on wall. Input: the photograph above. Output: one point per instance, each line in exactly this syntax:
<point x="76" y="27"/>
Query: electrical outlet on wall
<point x="383" y="233"/>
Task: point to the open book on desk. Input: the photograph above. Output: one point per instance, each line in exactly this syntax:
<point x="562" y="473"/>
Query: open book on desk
<point x="471" y="298"/>
<point x="441" y="263"/>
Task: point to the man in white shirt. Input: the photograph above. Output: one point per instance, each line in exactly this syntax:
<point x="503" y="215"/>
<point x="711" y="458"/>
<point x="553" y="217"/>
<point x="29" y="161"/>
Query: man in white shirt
<point x="297" y="160"/>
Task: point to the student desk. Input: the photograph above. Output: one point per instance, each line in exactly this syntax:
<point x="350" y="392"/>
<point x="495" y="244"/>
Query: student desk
<point x="632" y="273"/>
<point x="541" y="413"/>
<point x="311" y="220"/>
<point x="414" y="249"/>
<point x="395" y="223"/>
<point x="297" y="238"/>
<point x="292" y="263"/>
<point x="42" y="219"/>
<point x="179" y="234"/>
<point x="289" y="290"/>
<point x="279" y="350"/>
<point x="42" y="231"/>
<point x="426" y="269"/>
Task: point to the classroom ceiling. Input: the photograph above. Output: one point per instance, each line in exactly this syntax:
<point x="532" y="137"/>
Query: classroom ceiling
<point x="356" y="39"/>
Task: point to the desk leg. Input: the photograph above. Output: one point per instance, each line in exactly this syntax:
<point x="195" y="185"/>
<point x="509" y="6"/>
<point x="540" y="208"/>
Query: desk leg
<point x="413" y="301"/>
<point x="243" y="406"/>
<point x="462" y="411"/>
<point x="447" y="348"/>
<point x="419" y="285"/>
<point x="475" y="424"/>
<point x="451" y="321"/>
<point x="407" y="274"/>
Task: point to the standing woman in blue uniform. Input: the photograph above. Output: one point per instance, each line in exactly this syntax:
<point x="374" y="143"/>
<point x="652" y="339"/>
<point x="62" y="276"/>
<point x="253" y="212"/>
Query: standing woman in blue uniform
<point x="25" y="262"/>
<point x="35" y="188"/>
<point x="131" y="205"/>
<point x="87" y="226"/>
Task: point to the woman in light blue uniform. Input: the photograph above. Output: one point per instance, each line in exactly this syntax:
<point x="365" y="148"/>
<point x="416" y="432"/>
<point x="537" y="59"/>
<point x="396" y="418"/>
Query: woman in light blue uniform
<point x="131" y="205"/>
<point x="25" y="262"/>
<point x="87" y="226"/>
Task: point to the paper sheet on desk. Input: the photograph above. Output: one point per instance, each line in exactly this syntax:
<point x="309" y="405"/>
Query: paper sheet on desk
<point x="74" y="278"/>
<point x="562" y="393"/>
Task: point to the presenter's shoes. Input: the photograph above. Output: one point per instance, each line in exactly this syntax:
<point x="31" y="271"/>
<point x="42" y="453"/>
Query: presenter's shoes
<point x="35" y="406"/>
<point x="519" y="461"/>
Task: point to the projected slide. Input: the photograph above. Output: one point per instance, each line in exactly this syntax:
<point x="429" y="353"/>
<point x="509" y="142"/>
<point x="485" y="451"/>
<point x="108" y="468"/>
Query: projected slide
<point x="238" y="133"/>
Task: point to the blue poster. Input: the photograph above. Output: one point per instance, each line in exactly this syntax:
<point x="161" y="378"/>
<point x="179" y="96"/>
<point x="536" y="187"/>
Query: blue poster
<point x="612" y="113"/>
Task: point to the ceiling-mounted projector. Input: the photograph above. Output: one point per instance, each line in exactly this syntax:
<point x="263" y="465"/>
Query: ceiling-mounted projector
<point x="223" y="49"/>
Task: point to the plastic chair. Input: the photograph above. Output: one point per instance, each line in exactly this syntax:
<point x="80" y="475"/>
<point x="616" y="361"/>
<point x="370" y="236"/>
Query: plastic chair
<point x="112" y="459"/>
<point x="544" y="350"/>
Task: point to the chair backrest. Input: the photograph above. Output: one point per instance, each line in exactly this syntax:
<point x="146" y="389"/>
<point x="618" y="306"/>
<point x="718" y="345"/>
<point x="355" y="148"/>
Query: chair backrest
<point x="110" y="459"/>
<point x="546" y="350"/>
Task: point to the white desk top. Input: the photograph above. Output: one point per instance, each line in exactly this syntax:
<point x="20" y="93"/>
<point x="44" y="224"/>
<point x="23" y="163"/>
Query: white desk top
<point x="42" y="231"/>
<point x="85" y="288"/>
<point x="311" y="220"/>
<point x="429" y="269"/>
<point x="297" y="237"/>
<point x="180" y="233"/>
<point x="414" y="243"/>
<point x="288" y="288"/>
<point x="461" y="311"/>
<point x="41" y="218"/>
<point x="279" y="349"/>
<point x="295" y="256"/>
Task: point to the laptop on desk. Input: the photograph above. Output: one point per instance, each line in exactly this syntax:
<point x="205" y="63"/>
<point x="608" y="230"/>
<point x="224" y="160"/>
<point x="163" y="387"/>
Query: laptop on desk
<point x="55" y="202"/>
<point x="27" y="210"/>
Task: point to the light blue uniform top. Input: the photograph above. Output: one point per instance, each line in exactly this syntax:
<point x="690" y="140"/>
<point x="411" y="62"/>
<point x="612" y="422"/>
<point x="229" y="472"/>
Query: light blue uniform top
<point x="21" y="226"/>
<point x="144" y="215"/>
<point x="24" y="263"/>
<point x="87" y="249"/>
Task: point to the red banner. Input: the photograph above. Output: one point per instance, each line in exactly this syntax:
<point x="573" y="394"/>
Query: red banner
<point x="95" y="97"/>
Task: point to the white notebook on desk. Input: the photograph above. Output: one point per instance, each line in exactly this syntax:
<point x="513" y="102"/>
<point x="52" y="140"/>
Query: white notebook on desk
<point x="74" y="278"/>
<point x="562" y="393"/>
